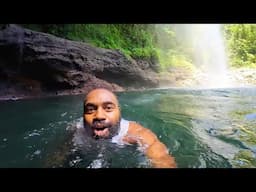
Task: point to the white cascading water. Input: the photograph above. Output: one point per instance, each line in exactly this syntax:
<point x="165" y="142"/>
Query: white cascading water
<point x="210" y="55"/>
<point x="205" y="44"/>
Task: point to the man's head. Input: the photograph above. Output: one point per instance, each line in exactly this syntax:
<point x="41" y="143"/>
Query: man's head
<point x="101" y="113"/>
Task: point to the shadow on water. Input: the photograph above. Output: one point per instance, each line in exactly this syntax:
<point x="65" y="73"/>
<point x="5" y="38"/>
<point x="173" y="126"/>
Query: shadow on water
<point x="201" y="128"/>
<point x="32" y="129"/>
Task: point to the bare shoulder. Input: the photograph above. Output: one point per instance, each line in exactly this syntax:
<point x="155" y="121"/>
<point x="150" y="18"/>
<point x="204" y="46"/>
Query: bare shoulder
<point x="155" y="150"/>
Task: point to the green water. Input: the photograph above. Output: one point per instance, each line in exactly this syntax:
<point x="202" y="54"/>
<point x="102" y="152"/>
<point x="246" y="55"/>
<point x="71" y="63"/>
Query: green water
<point x="201" y="128"/>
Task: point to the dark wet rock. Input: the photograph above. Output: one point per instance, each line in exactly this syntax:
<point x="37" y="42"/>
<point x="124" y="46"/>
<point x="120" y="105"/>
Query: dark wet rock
<point x="38" y="62"/>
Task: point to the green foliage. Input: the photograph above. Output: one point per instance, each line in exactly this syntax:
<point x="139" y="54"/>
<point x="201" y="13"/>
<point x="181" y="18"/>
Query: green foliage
<point x="172" y="58"/>
<point x="172" y="50"/>
<point x="134" y="40"/>
<point x="167" y="45"/>
<point x="157" y="43"/>
<point x="241" y="41"/>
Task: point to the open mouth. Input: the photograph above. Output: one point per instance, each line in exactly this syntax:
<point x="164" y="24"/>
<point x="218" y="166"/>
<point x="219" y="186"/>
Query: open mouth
<point x="101" y="130"/>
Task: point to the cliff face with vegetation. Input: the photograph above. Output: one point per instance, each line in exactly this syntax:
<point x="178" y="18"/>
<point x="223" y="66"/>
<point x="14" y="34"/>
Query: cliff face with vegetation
<point x="72" y="58"/>
<point x="35" y="63"/>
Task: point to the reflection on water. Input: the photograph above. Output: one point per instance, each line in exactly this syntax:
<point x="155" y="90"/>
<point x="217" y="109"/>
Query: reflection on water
<point x="201" y="128"/>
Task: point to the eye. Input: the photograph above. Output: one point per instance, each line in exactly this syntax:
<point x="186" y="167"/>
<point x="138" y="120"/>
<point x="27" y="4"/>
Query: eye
<point x="109" y="107"/>
<point x="89" y="109"/>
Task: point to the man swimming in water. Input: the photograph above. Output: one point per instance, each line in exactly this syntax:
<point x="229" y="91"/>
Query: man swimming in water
<point x="102" y="120"/>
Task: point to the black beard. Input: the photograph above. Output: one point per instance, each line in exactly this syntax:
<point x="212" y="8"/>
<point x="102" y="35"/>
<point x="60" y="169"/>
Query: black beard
<point x="113" y="130"/>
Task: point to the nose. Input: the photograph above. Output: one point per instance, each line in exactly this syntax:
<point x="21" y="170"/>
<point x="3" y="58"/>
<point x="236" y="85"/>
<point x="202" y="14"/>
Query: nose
<point x="100" y="114"/>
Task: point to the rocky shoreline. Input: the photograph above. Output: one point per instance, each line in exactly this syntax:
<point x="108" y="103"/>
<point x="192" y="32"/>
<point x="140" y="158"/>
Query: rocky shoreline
<point x="237" y="77"/>
<point x="37" y="65"/>
<point x="240" y="77"/>
<point x="26" y="91"/>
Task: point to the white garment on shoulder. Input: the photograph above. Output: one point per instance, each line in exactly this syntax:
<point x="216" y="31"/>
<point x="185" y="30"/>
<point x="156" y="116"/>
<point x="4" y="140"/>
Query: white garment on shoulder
<point x="124" y="125"/>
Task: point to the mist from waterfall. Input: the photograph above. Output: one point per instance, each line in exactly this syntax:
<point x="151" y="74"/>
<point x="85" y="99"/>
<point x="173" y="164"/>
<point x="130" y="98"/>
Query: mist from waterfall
<point x="204" y="45"/>
<point x="210" y="54"/>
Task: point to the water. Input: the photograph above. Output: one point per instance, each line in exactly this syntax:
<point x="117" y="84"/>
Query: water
<point x="213" y="128"/>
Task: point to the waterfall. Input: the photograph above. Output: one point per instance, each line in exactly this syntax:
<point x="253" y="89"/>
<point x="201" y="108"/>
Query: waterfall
<point x="210" y="54"/>
<point x="201" y="46"/>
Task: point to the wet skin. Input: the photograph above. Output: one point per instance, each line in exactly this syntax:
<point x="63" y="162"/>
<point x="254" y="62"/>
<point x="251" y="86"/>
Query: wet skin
<point x="102" y="117"/>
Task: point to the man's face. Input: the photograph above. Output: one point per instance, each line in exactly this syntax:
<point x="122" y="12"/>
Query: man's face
<point x="101" y="113"/>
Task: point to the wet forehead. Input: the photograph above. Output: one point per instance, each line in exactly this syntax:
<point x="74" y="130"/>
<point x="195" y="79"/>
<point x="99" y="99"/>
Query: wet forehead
<point x="100" y="96"/>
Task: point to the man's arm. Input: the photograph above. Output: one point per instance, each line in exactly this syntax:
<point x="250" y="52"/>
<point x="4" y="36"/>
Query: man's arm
<point x="156" y="151"/>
